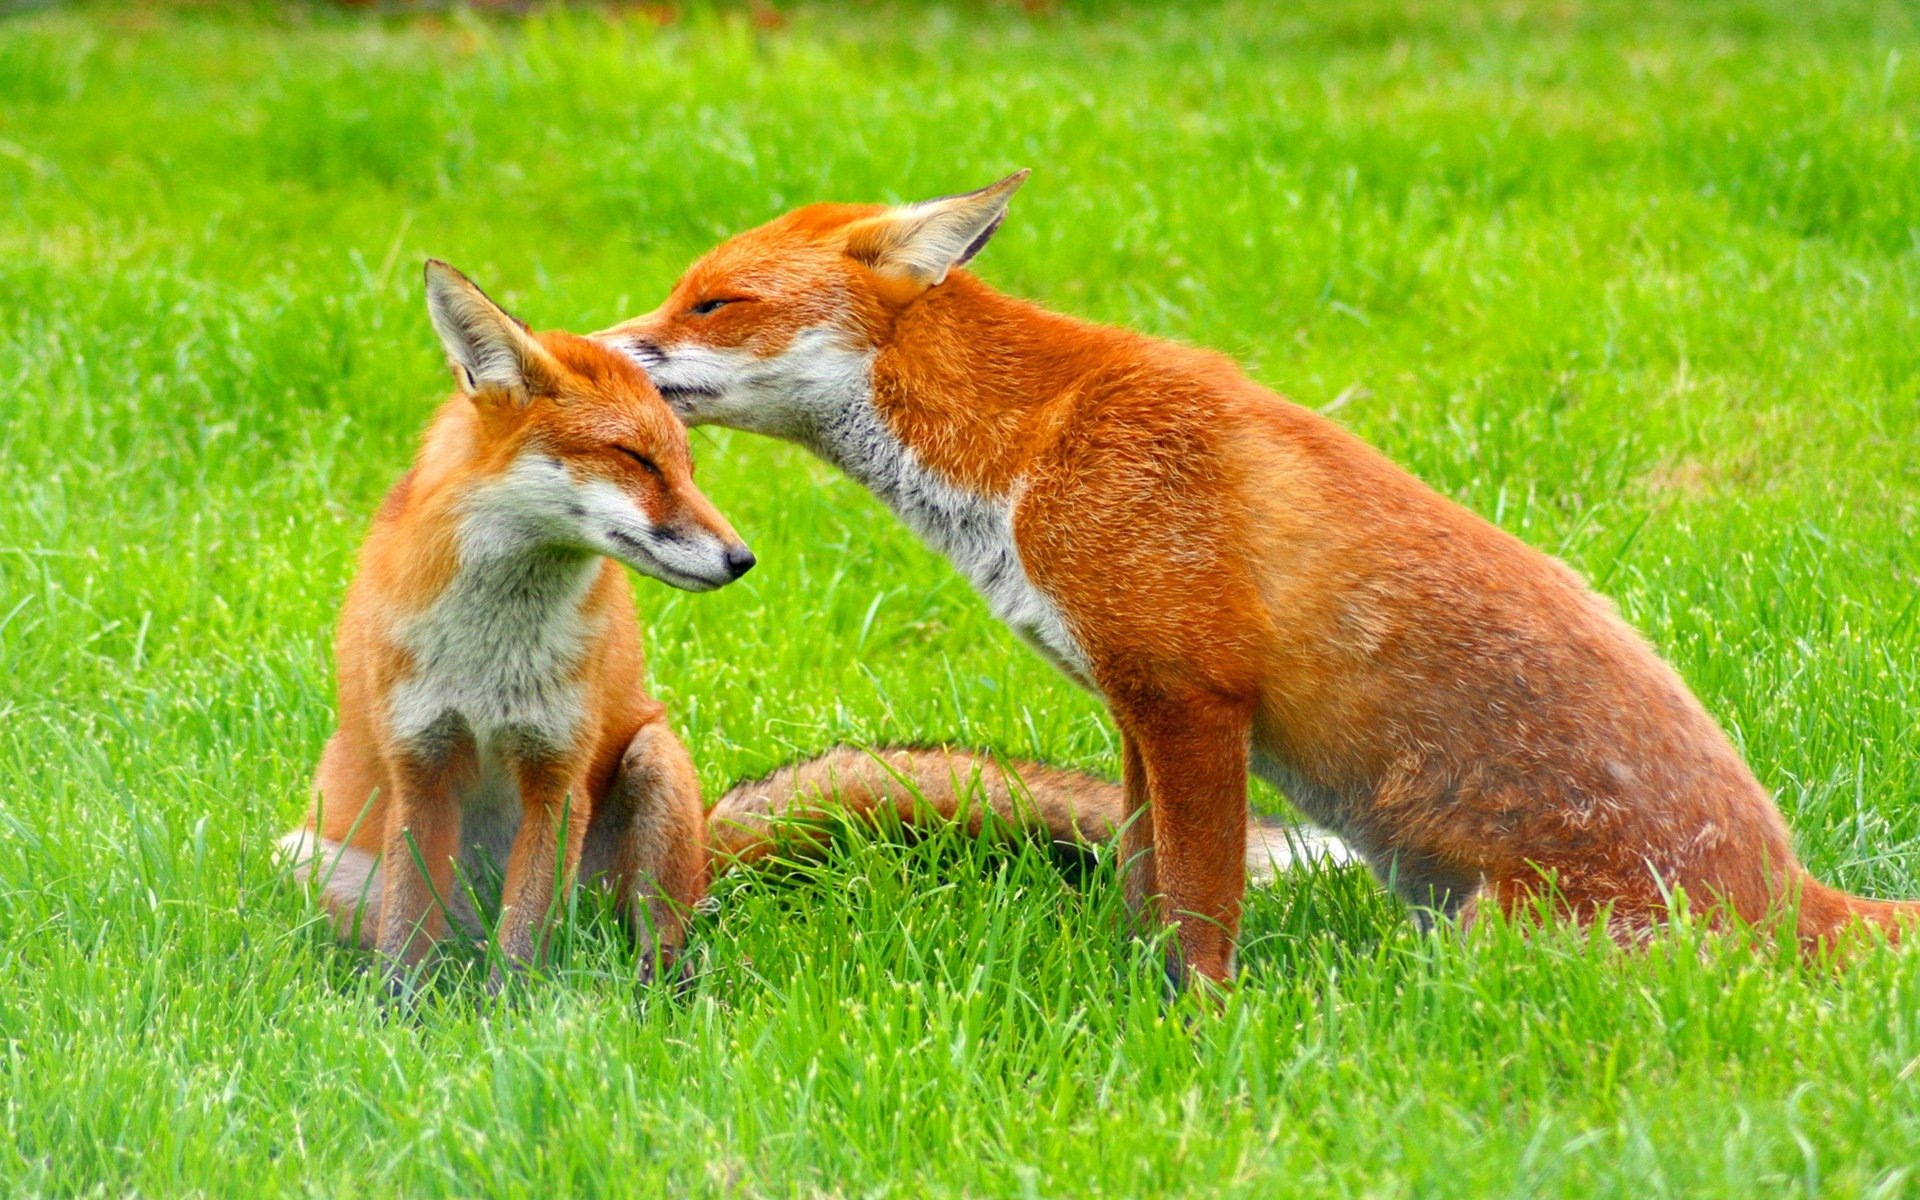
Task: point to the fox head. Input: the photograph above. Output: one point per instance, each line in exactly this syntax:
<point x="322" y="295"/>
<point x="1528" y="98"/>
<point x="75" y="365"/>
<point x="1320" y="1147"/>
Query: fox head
<point x="574" y="448"/>
<point x="776" y="329"/>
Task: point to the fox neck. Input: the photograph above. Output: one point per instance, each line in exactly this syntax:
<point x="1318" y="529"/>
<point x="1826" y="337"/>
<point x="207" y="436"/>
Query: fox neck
<point x="478" y="561"/>
<point x="939" y="427"/>
<point x="526" y="581"/>
<point x="960" y="387"/>
<point x="517" y="580"/>
<point x="498" y="644"/>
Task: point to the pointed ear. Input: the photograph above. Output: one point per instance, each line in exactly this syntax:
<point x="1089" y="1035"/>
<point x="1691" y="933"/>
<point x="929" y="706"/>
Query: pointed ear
<point x="922" y="242"/>
<point x="486" y="346"/>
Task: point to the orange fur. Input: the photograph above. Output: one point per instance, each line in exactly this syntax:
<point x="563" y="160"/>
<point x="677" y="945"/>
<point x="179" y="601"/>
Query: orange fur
<point x="1241" y="579"/>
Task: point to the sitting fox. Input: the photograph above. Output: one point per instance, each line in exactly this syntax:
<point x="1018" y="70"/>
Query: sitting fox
<point x="493" y="713"/>
<point x="1243" y="581"/>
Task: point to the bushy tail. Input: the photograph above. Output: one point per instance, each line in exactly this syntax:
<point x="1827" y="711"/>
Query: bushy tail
<point x="1829" y="915"/>
<point x="926" y="788"/>
<point x="347" y="878"/>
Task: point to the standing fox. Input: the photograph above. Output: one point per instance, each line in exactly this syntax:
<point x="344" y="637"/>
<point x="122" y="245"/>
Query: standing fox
<point x="492" y="706"/>
<point x="1240" y="579"/>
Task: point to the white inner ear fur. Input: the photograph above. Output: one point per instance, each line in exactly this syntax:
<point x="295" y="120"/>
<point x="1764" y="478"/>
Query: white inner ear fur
<point x="932" y="238"/>
<point x="928" y="239"/>
<point x="484" y="344"/>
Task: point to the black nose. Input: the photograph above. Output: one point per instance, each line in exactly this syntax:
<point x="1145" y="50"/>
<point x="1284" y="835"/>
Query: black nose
<point x="740" y="560"/>
<point x="645" y="352"/>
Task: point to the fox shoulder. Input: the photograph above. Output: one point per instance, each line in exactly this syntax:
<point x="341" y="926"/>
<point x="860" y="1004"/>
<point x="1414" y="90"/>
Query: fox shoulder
<point x="396" y="501"/>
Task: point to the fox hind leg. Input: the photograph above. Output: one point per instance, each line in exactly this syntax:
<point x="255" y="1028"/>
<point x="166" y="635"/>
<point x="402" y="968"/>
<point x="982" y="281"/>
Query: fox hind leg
<point x="1433" y="889"/>
<point x="648" y="844"/>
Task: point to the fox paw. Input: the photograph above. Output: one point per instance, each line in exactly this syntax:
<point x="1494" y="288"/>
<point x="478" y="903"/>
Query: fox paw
<point x="670" y="967"/>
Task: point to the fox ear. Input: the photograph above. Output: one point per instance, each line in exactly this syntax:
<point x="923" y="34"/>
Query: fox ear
<point x="922" y="242"/>
<point x="486" y="346"/>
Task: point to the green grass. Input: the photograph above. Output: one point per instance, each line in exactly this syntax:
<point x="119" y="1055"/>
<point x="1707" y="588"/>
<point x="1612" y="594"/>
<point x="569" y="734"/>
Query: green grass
<point x="1641" y="285"/>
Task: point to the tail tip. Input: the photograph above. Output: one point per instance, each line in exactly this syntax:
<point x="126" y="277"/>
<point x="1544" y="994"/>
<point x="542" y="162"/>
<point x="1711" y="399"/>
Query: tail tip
<point x="1274" y="848"/>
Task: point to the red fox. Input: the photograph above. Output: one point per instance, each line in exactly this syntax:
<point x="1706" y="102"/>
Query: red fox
<point x="493" y="714"/>
<point x="1243" y="582"/>
<point x="490" y="671"/>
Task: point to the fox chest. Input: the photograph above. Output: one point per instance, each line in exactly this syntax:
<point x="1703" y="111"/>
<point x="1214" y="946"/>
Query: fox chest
<point x="501" y="666"/>
<point x="973" y="531"/>
<point x="976" y="535"/>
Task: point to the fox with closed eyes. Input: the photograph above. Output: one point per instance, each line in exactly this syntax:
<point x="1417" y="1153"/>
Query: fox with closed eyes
<point x="1248" y="586"/>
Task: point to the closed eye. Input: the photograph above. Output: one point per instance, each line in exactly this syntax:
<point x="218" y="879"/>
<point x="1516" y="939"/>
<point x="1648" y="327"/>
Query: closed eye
<point x="645" y="462"/>
<point x="709" y="306"/>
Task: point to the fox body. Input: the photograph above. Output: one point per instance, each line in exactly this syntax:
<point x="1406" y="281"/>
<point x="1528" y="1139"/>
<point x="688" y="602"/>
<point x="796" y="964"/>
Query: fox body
<point x="1243" y="581"/>
<point x="492" y="707"/>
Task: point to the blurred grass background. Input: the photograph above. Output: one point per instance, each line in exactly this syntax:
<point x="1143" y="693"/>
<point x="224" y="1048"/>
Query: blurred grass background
<point x="1639" y="282"/>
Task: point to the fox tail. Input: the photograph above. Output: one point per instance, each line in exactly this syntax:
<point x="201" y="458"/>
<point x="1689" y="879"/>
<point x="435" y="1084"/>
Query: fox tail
<point x="1827" y="914"/>
<point x="933" y="788"/>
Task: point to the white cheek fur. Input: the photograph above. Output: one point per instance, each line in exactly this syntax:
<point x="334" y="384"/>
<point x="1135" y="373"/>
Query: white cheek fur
<point x="697" y="370"/>
<point x="601" y="508"/>
<point x="786" y="395"/>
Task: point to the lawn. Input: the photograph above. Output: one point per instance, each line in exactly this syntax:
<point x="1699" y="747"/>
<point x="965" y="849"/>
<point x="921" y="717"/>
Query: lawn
<point x="1640" y="284"/>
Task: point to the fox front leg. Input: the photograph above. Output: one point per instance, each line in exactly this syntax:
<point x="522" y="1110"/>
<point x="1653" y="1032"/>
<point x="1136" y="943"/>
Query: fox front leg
<point x="541" y="868"/>
<point x="1192" y="758"/>
<point x="422" y="839"/>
